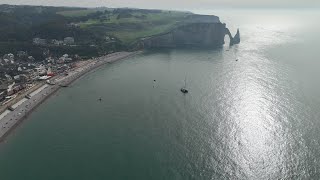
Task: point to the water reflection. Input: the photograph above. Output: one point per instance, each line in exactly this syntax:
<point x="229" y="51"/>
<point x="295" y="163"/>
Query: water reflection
<point x="256" y="107"/>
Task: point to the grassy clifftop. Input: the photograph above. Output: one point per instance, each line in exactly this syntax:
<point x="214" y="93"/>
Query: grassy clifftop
<point x="127" y="25"/>
<point x="99" y="30"/>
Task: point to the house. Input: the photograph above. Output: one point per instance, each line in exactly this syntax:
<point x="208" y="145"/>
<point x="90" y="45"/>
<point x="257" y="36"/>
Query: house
<point x="9" y="78"/>
<point x="50" y="60"/>
<point x="68" y="40"/>
<point x="22" y="54"/>
<point x="49" y="72"/>
<point x="41" y="70"/>
<point x="57" y="42"/>
<point x="60" y="61"/>
<point x="39" y="41"/>
<point x="9" y="57"/>
<point x="16" y="89"/>
<point x="6" y="61"/>
<point x="64" y="58"/>
<point x="16" y="78"/>
<point x="10" y="89"/>
<point x="73" y="25"/>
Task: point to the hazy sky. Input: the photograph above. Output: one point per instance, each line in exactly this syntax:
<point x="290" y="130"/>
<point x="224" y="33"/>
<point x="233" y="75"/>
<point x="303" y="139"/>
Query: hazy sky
<point x="173" y="4"/>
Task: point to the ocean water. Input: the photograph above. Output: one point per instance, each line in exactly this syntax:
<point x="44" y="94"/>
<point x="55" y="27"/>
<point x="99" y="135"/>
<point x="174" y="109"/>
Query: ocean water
<point x="255" y="118"/>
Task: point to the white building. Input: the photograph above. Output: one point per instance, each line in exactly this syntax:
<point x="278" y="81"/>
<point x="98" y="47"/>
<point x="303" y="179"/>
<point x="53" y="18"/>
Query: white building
<point x="39" y="41"/>
<point x="17" y="77"/>
<point x="9" y="57"/>
<point x="68" y="40"/>
<point x="65" y="58"/>
<point x="9" y="78"/>
<point x="41" y="70"/>
<point x="57" y="42"/>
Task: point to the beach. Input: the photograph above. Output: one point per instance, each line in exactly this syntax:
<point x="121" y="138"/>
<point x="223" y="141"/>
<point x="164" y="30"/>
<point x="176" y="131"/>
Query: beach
<point x="11" y="119"/>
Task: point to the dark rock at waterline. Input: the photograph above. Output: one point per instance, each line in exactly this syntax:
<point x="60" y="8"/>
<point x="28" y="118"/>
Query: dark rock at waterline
<point x="236" y="38"/>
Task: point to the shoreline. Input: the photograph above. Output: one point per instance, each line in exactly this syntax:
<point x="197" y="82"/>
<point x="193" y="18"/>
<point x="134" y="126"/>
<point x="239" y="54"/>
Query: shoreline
<point x="11" y="120"/>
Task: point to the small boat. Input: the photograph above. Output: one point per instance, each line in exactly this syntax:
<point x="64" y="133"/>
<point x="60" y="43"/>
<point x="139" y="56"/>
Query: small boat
<point x="184" y="90"/>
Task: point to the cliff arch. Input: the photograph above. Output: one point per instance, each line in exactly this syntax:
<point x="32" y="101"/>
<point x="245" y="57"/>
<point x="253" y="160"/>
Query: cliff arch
<point x="235" y="39"/>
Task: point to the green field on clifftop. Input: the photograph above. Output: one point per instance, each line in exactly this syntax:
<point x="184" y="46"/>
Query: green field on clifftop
<point x="95" y="31"/>
<point x="77" y="13"/>
<point x="128" y="25"/>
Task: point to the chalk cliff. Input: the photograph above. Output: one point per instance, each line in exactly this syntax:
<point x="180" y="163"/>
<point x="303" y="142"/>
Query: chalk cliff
<point x="195" y="31"/>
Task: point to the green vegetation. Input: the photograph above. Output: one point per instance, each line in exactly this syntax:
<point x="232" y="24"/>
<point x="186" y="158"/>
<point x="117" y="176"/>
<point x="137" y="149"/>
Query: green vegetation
<point x="77" y="13"/>
<point x="99" y="30"/>
<point x="128" y="37"/>
<point x="131" y="26"/>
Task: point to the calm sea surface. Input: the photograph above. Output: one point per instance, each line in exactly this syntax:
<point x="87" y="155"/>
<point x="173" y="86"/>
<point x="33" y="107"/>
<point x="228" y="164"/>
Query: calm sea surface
<point x="255" y="118"/>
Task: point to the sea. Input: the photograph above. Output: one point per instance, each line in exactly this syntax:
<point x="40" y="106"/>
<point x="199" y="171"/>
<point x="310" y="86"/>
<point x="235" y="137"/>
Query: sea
<point x="252" y="111"/>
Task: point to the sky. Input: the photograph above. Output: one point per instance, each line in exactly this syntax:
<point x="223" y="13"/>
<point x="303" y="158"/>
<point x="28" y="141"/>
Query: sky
<point x="174" y="4"/>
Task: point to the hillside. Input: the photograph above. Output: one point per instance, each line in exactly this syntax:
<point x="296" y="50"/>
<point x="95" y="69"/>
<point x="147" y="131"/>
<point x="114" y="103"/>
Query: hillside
<point x="95" y="31"/>
<point x="126" y="25"/>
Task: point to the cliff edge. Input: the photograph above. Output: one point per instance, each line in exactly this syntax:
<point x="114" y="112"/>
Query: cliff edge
<point x="195" y="31"/>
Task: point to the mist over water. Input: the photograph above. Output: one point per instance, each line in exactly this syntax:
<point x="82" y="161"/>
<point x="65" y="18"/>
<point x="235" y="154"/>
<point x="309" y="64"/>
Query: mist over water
<point x="255" y="118"/>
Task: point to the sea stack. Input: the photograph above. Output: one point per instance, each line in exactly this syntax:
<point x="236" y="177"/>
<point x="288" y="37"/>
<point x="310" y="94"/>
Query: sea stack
<point x="236" y="38"/>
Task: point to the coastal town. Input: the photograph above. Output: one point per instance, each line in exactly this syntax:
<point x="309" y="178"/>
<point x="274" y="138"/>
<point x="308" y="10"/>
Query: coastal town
<point x="21" y="72"/>
<point x="25" y="85"/>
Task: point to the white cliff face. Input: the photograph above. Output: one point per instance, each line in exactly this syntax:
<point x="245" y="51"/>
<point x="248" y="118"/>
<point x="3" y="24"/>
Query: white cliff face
<point x="196" y="31"/>
<point x="194" y="34"/>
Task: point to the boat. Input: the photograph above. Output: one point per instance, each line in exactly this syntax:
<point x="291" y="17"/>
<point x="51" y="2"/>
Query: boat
<point x="184" y="90"/>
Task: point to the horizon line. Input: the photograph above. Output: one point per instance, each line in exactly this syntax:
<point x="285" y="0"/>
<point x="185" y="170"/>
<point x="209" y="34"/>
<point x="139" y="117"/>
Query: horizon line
<point x="173" y="9"/>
